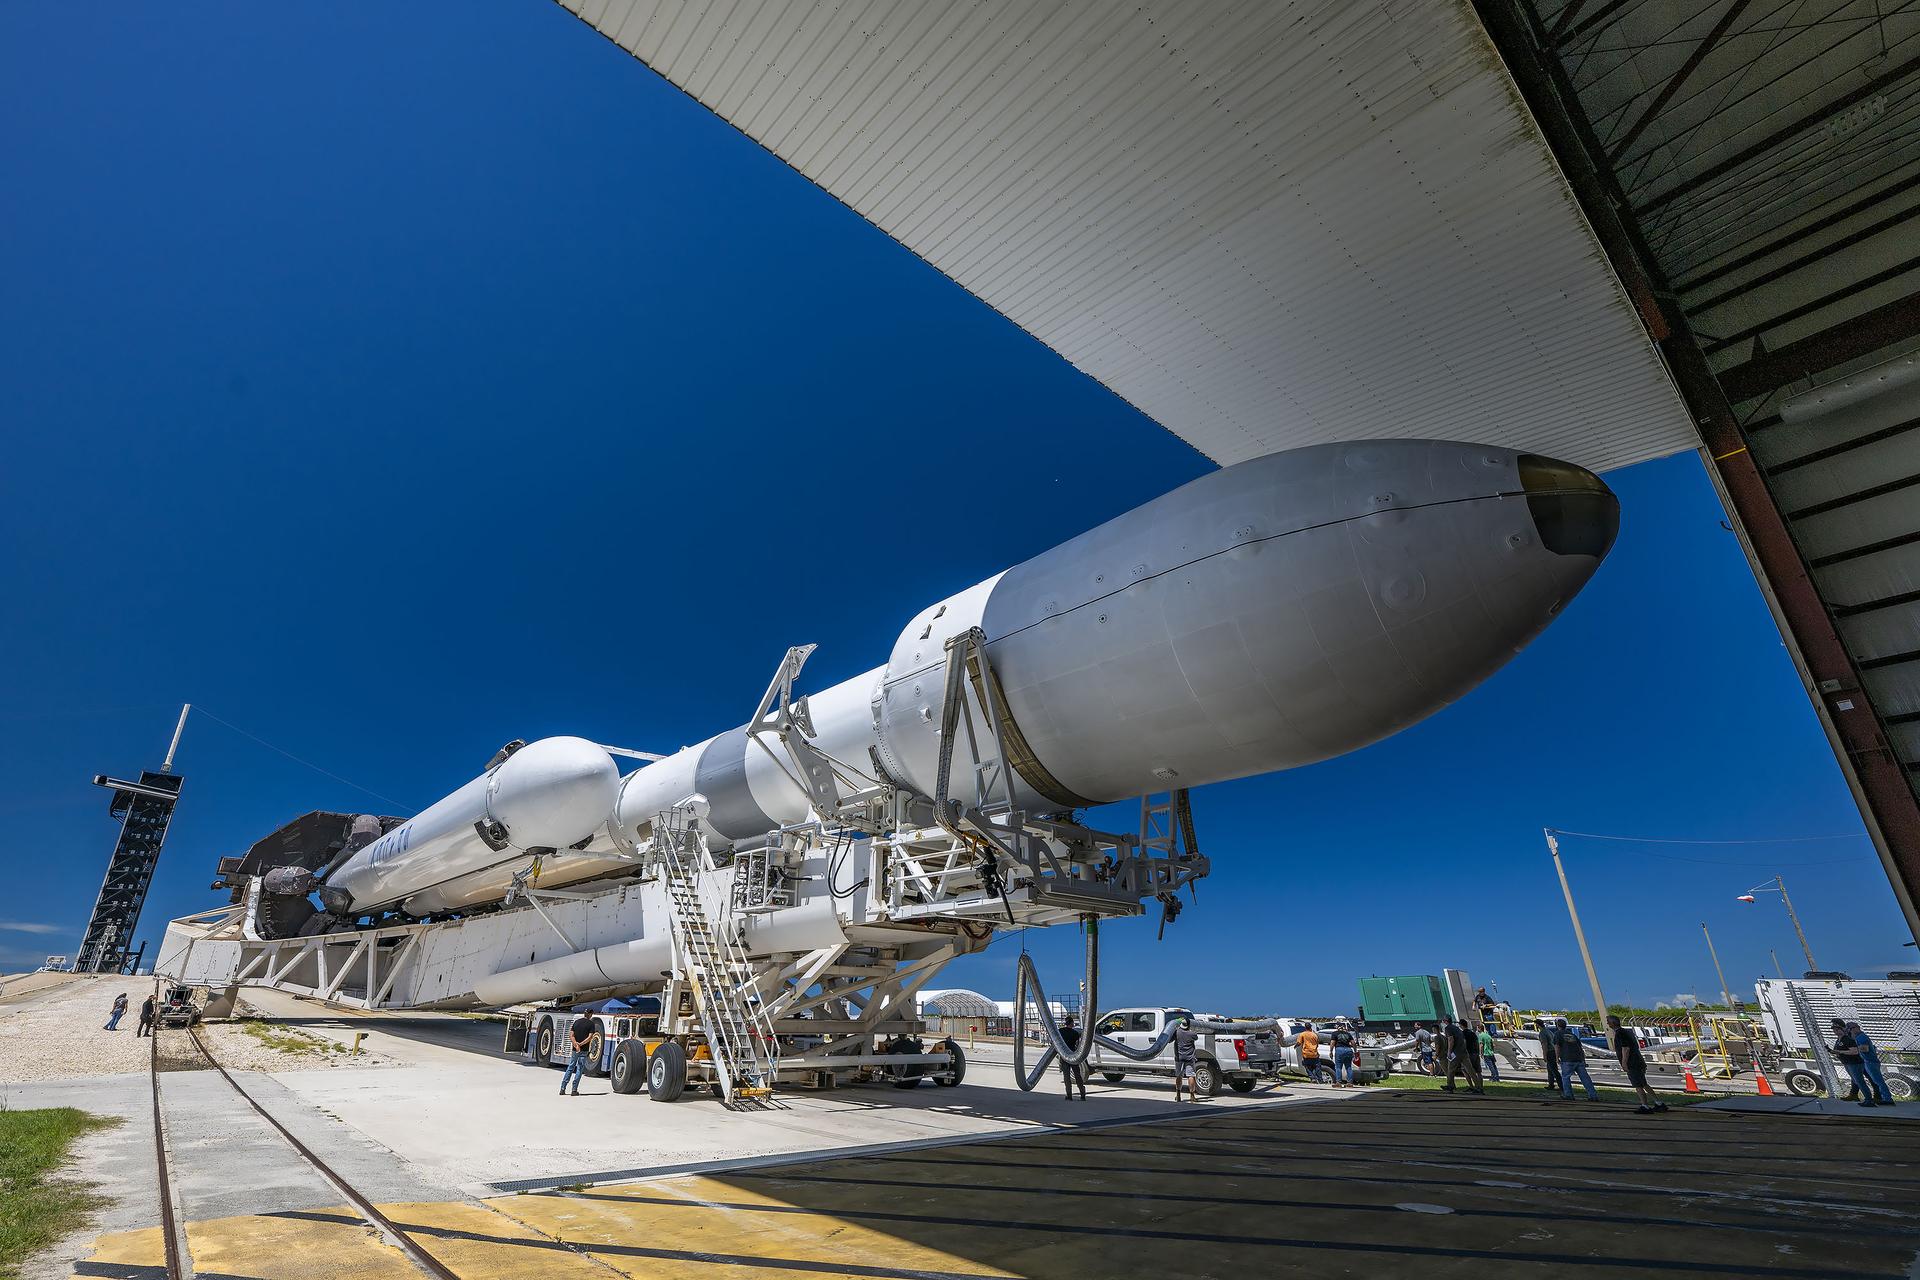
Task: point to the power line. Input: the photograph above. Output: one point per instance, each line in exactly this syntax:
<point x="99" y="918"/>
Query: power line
<point x="1721" y="862"/>
<point x="202" y="710"/>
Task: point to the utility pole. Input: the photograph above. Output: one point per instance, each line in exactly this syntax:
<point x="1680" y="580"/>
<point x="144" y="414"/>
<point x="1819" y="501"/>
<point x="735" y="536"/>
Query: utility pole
<point x="1579" y="934"/>
<point x="1724" y="993"/>
<point x="1794" y="916"/>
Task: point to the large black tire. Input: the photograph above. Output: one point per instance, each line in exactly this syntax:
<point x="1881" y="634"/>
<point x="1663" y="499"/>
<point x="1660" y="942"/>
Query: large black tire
<point x="1113" y="1077"/>
<point x="1240" y="1085"/>
<point x="1803" y="1083"/>
<point x="666" y="1072"/>
<point x="543" y="1044"/>
<point x="1901" y="1088"/>
<point x="629" y="1066"/>
<point x="906" y="1075"/>
<point x="1321" y="1074"/>
<point x="1206" y="1078"/>
<point x="957" y="1072"/>
<point x="596" y="1049"/>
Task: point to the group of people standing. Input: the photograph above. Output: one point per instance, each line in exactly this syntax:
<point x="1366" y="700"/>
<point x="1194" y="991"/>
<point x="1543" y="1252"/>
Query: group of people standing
<point x="1860" y="1056"/>
<point x="1342" y="1040"/>
<point x="119" y="1011"/>
<point x="1458" y="1050"/>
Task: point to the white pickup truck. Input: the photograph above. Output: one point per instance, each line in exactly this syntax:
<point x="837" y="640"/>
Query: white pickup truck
<point x="1237" y="1060"/>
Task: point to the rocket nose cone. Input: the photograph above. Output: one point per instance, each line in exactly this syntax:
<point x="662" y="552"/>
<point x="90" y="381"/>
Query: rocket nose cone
<point x="1573" y="511"/>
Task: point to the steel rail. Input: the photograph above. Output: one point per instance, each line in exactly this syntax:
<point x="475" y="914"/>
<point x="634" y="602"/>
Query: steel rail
<point x="365" y="1207"/>
<point x="169" y="1226"/>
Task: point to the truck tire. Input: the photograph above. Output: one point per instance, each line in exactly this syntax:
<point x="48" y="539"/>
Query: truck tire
<point x="906" y="1075"/>
<point x="543" y="1044"/>
<point x="1240" y="1084"/>
<point x="666" y="1072"/>
<point x="957" y="1072"/>
<point x="1900" y="1087"/>
<point x="1113" y="1077"/>
<point x="1321" y="1074"/>
<point x="629" y="1066"/>
<point x="1206" y="1078"/>
<point x="596" y="1051"/>
<point x="1804" y="1083"/>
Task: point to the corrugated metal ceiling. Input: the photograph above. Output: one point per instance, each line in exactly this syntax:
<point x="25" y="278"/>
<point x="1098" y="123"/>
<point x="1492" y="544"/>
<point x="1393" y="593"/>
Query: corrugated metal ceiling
<point x="1265" y="226"/>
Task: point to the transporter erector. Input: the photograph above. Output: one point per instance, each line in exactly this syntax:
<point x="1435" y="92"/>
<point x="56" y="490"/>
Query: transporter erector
<point x="1267" y="615"/>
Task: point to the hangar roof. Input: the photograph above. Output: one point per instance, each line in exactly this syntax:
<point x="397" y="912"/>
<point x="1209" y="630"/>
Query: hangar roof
<point x="1264" y="226"/>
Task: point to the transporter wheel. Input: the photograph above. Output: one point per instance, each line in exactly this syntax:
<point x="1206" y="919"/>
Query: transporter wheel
<point x="1240" y="1085"/>
<point x="957" y="1072"/>
<point x="906" y="1075"/>
<point x="596" y="1049"/>
<point x="1321" y="1074"/>
<point x="1804" y="1083"/>
<point x="666" y="1072"/>
<point x="1206" y="1078"/>
<point x="1901" y="1087"/>
<point x="1113" y="1077"/>
<point x="543" y="1045"/>
<point x="629" y="1066"/>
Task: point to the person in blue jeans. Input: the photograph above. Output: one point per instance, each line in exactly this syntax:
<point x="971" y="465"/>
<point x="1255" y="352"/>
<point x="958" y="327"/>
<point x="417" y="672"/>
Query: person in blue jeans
<point x="1486" y="1055"/>
<point x="1870" y="1063"/>
<point x="1573" y="1062"/>
<point x="119" y="1010"/>
<point x="1344" y="1042"/>
<point x="581" y="1035"/>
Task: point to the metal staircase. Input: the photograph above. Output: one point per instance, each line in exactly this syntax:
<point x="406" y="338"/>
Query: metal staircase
<point x="739" y="1038"/>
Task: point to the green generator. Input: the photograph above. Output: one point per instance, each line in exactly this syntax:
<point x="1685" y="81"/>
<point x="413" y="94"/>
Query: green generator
<point x="1412" y="998"/>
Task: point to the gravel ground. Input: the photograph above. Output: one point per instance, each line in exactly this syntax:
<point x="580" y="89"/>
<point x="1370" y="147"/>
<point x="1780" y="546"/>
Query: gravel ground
<point x="57" y="1030"/>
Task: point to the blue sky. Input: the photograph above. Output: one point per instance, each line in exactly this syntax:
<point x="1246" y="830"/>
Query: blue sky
<point x="394" y="387"/>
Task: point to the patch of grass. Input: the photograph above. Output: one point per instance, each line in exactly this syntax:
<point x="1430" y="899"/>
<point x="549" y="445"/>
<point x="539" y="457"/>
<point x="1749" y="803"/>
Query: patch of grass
<point x="290" y="1039"/>
<point x="1532" y="1090"/>
<point x="37" y="1208"/>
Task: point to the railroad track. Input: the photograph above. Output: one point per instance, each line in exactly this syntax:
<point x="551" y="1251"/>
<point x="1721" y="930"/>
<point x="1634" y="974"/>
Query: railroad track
<point x="179" y="1261"/>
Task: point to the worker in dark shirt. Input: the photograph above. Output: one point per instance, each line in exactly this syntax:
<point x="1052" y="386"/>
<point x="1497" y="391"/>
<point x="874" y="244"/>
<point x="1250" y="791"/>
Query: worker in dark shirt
<point x="146" y="1017"/>
<point x="1184" y="1042"/>
<point x="1626" y="1047"/>
<point x="1467" y="1046"/>
<point x="1846" y="1049"/>
<point x="1573" y="1061"/>
<point x="1545" y="1028"/>
<point x="1345" y="1043"/>
<point x="1074" y="1073"/>
<point x="581" y="1035"/>
<point x="1447" y="1045"/>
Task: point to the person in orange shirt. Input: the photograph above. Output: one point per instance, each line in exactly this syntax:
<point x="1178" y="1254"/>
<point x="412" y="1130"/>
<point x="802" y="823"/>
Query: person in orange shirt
<point x="1309" y="1042"/>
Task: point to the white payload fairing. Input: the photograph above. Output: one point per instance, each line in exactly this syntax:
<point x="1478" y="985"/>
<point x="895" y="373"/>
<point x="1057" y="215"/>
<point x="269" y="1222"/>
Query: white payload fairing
<point x="1274" y="613"/>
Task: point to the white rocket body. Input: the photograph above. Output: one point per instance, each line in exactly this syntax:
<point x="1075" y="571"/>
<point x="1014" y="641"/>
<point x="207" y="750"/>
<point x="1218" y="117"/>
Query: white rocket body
<point x="1273" y="613"/>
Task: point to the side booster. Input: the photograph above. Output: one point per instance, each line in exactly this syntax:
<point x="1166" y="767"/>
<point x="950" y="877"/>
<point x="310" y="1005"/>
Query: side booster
<point x="1267" y="615"/>
<point x="541" y="798"/>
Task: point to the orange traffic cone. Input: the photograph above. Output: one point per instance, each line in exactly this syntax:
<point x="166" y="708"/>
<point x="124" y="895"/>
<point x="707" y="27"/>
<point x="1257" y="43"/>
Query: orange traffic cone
<point x="1693" y="1086"/>
<point x="1764" y="1089"/>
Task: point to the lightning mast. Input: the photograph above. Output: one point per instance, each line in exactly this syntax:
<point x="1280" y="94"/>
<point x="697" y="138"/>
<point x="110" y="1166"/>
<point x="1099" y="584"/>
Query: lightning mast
<point x="145" y="810"/>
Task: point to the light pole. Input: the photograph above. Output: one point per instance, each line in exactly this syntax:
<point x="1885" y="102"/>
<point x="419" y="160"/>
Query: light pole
<point x="1579" y="934"/>
<point x="1724" y="993"/>
<point x="1779" y="886"/>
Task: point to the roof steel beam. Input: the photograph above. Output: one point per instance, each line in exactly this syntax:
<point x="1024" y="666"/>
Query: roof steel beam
<point x="1787" y="134"/>
<point x="1863" y="335"/>
<point x="1679" y="78"/>
<point x="1875" y="774"/>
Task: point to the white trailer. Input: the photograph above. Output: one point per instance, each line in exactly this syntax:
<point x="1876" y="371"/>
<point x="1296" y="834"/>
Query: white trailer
<point x="1796" y="1013"/>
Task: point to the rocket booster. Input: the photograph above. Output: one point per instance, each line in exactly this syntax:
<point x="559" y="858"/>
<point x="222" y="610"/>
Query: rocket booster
<point x="1264" y="616"/>
<point x="1274" y="613"/>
